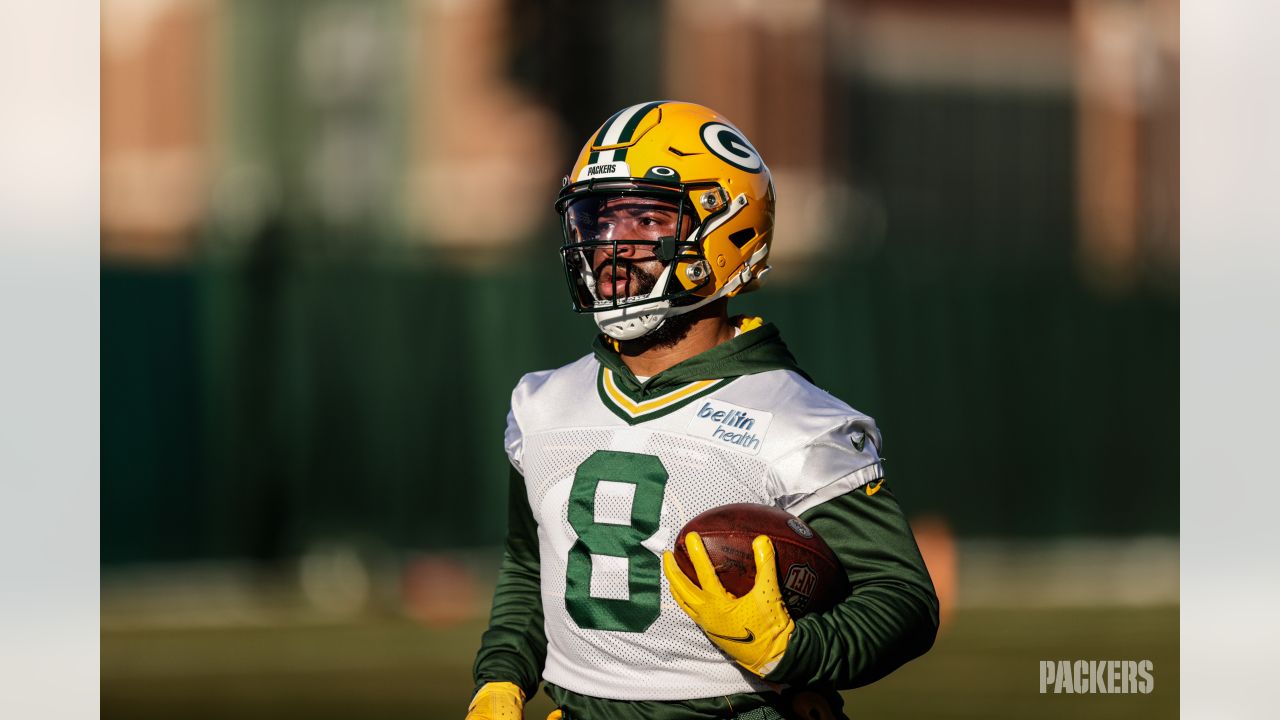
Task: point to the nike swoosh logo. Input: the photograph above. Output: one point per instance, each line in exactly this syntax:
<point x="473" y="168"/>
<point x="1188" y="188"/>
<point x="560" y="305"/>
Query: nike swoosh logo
<point x="744" y="639"/>
<point x="873" y="489"/>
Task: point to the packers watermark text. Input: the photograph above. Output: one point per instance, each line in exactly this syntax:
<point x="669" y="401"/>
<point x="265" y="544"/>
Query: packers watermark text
<point x="1096" y="676"/>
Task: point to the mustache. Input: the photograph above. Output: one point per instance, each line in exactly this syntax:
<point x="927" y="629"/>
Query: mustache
<point x="646" y="280"/>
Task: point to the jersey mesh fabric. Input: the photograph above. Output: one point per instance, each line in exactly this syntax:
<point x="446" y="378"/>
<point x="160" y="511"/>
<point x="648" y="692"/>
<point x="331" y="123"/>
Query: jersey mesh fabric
<point x="671" y="658"/>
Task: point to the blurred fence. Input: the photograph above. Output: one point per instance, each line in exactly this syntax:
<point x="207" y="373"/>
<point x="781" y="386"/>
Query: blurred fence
<point x="252" y="407"/>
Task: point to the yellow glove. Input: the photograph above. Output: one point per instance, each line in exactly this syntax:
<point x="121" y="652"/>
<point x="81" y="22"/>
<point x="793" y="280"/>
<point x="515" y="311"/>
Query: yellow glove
<point x="753" y="629"/>
<point x="497" y="701"/>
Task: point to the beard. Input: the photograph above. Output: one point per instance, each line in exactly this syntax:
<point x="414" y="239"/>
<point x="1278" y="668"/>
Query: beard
<point x="673" y="330"/>
<point x="670" y="333"/>
<point x="643" y="280"/>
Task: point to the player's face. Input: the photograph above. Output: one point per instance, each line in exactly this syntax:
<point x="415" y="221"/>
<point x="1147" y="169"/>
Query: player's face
<point x="629" y="269"/>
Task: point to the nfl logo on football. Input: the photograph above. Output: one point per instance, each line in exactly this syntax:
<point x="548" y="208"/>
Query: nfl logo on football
<point x="798" y="587"/>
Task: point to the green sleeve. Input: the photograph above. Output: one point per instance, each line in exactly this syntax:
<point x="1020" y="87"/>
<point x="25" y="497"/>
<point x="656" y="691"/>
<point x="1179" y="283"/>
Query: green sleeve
<point x="514" y="648"/>
<point x="891" y="615"/>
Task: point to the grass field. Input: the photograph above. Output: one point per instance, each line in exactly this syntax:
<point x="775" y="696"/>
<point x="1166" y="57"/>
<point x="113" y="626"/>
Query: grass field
<point x="984" y="665"/>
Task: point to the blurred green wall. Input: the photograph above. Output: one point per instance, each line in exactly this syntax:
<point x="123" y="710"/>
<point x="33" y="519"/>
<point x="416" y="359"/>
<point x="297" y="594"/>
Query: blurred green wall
<point x="253" y="406"/>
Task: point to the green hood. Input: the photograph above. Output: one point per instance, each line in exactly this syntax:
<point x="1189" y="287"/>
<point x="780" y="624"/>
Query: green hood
<point x="754" y="351"/>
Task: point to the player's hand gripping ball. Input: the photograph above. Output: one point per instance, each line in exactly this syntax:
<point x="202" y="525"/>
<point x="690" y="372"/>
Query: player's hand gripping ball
<point x="754" y="628"/>
<point x="810" y="575"/>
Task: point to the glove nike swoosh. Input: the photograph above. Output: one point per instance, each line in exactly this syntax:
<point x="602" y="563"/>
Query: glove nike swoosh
<point x="749" y="637"/>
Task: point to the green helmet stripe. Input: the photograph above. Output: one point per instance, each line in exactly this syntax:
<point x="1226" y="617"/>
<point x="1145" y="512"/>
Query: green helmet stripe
<point x="599" y="138"/>
<point x="630" y="128"/>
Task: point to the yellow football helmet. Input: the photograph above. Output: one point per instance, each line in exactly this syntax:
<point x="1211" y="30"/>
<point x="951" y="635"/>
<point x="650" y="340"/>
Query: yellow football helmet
<point x="671" y="182"/>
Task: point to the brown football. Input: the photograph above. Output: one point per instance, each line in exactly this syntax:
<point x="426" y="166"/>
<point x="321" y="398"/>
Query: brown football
<point x="809" y="574"/>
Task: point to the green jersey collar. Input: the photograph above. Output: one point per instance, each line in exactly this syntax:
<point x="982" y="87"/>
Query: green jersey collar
<point x="753" y="351"/>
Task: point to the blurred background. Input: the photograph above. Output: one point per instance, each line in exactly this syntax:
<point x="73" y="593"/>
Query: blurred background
<point x="328" y="254"/>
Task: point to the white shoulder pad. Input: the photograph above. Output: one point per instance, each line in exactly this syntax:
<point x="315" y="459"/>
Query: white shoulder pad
<point x="542" y="399"/>
<point x="842" y="458"/>
<point x="513" y="439"/>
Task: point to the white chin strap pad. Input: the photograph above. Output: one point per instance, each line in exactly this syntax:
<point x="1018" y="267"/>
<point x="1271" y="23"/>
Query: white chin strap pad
<point x="631" y="323"/>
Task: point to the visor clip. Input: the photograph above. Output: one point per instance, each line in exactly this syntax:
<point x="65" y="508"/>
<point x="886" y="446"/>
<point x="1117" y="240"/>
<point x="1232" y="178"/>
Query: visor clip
<point x="667" y="248"/>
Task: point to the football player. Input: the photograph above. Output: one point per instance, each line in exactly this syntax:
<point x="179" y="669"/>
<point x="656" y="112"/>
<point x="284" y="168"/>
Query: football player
<point x="679" y="408"/>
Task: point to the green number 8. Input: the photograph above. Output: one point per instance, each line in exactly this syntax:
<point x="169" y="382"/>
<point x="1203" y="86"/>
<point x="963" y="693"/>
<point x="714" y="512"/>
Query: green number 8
<point x="640" y="609"/>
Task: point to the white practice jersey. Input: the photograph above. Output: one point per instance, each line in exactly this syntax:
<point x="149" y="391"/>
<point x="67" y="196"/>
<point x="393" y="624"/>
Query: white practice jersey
<point x="611" y="480"/>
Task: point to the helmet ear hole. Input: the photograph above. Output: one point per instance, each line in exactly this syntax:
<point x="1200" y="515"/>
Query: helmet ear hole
<point x="742" y="237"/>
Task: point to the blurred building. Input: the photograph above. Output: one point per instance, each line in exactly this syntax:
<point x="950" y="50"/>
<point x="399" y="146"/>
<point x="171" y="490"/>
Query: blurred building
<point x="159" y="104"/>
<point x="328" y="247"/>
<point x="446" y="122"/>
<point x="484" y="149"/>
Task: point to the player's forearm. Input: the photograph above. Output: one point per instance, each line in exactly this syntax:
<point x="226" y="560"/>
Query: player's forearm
<point x="891" y="616"/>
<point x="859" y="641"/>
<point x="514" y="648"/>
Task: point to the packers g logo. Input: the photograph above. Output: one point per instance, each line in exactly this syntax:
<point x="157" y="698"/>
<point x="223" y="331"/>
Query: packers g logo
<point x="728" y="144"/>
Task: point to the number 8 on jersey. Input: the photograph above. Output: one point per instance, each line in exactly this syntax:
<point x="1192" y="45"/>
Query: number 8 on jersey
<point x="599" y="536"/>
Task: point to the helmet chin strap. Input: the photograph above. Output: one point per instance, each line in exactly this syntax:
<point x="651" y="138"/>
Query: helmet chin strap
<point x="629" y="323"/>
